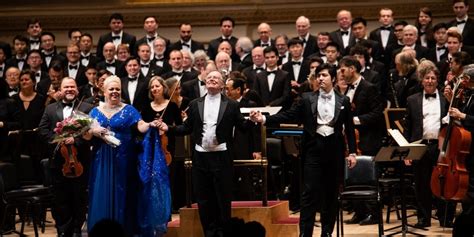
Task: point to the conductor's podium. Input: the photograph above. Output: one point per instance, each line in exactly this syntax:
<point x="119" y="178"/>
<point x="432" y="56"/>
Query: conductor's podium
<point x="274" y="218"/>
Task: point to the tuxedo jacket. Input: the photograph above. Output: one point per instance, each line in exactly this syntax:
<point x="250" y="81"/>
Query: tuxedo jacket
<point x="141" y="93"/>
<point x="119" y="67"/>
<point x="431" y="55"/>
<point x="153" y="70"/>
<point x="93" y="61"/>
<point x="373" y="77"/>
<point x="55" y="57"/>
<point x="251" y="75"/>
<point x="305" y="111"/>
<point x="280" y="93"/>
<point x="414" y="117"/>
<point x="187" y="76"/>
<point x="80" y="78"/>
<point x="214" y="44"/>
<point x="145" y="40"/>
<point x="194" y="46"/>
<point x="467" y="33"/>
<point x="44" y="80"/>
<point x="336" y="37"/>
<point x="386" y="53"/>
<point x="259" y="43"/>
<point x="247" y="140"/>
<point x="13" y="62"/>
<point x="377" y="49"/>
<point x="126" y="39"/>
<point x="421" y="52"/>
<point x="85" y="91"/>
<point x="190" y="89"/>
<point x="228" y="109"/>
<point x="54" y="114"/>
<point x="166" y="66"/>
<point x="368" y="106"/>
<point x="245" y="62"/>
<point x="304" y="71"/>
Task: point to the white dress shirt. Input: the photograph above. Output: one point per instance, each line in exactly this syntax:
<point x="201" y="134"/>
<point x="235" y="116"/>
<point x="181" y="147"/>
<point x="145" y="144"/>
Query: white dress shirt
<point x="326" y="109"/>
<point x="431" y="116"/>
<point x="211" y="114"/>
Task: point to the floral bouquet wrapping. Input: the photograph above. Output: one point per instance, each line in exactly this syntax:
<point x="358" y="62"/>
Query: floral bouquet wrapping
<point x="72" y="126"/>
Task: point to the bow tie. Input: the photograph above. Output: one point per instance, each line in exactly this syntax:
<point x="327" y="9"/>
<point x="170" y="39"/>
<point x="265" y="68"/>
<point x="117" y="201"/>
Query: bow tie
<point x="304" y="40"/>
<point x="326" y="96"/>
<point x="85" y="57"/>
<point x="265" y="45"/>
<point x="224" y="39"/>
<point x="37" y="74"/>
<point x="110" y="64"/>
<point x="20" y="59"/>
<point x="185" y="44"/>
<point x="427" y="96"/>
<point x="1" y="68"/>
<point x="271" y="72"/>
<point x="151" y="38"/>
<point x="49" y="55"/>
<point x="422" y="33"/>
<point x="132" y="79"/>
<point x="177" y="74"/>
<point x="145" y="65"/>
<point x="294" y="63"/>
<point x="115" y="37"/>
<point x="12" y="89"/>
<point x="441" y="48"/>
<point x="344" y="32"/>
<point x="73" y="67"/>
<point x="259" y="69"/>
<point x="202" y="83"/>
<point x="350" y="86"/>
<point x="460" y="22"/>
<point x="34" y="41"/>
<point x="282" y="56"/>
<point x="69" y="104"/>
<point x="385" y="28"/>
<point x="160" y="59"/>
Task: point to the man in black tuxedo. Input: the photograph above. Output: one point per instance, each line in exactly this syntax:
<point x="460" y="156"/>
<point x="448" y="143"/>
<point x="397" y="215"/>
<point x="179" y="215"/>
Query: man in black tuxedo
<point x="410" y="35"/>
<point x="343" y="36"/>
<point x="385" y="35"/>
<point x="116" y="36"/>
<point x="147" y="68"/>
<point x="3" y="58"/>
<point x="70" y="203"/>
<point x="34" y="62"/>
<point x="185" y="41"/>
<point x="281" y="43"/>
<point x="33" y="30"/>
<point x="326" y="116"/>
<point x="134" y="85"/>
<point x="51" y="88"/>
<point x="367" y="107"/>
<point x="309" y="41"/>
<point x="323" y="39"/>
<point x="161" y="58"/>
<point x="463" y="22"/>
<point x="440" y="51"/>
<point x="87" y="58"/>
<point x="243" y="49"/>
<point x="196" y="88"/>
<point x="227" y="26"/>
<point x="359" y="29"/>
<point x="224" y="64"/>
<point x="177" y="71"/>
<point x="425" y="111"/>
<point x="73" y="68"/>
<point x="258" y="60"/>
<point x="110" y="63"/>
<point x="297" y="67"/>
<point x="264" y="32"/>
<point x="362" y="55"/>
<point x="211" y="122"/>
<point x="150" y="25"/>
<point x="48" y="51"/>
<point x="273" y="85"/>
<point x="20" y="46"/>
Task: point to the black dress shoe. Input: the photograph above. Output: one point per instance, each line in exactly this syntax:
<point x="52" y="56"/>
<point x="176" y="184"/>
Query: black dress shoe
<point x="422" y="224"/>
<point x="369" y="220"/>
<point x="354" y="220"/>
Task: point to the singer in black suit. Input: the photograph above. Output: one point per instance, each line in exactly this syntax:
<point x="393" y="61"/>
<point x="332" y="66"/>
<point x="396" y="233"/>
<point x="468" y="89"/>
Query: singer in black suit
<point x="117" y="33"/>
<point x="70" y="205"/>
<point x="323" y="147"/>
<point x="140" y="84"/>
<point x="425" y="111"/>
<point x="227" y="25"/>
<point x="386" y="50"/>
<point x="212" y="158"/>
<point x="185" y="41"/>
<point x="460" y="9"/>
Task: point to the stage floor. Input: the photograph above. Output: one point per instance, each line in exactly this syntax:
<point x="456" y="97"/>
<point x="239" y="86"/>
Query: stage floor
<point x="349" y="230"/>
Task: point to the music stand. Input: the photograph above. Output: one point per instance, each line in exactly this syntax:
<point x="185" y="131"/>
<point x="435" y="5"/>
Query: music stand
<point x="401" y="153"/>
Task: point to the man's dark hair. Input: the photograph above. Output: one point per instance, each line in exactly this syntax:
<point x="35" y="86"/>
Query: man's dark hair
<point x="358" y="20"/>
<point x="466" y="2"/>
<point x="50" y="34"/>
<point x="324" y="33"/>
<point x="282" y="36"/>
<point x="462" y="58"/>
<point x="350" y="61"/>
<point x="87" y="35"/>
<point x="56" y="66"/>
<point x="238" y="83"/>
<point x="316" y="59"/>
<point x="150" y="16"/>
<point x="331" y="69"/>
<point x="69" y="33"/>
<point x="32" y="21"/>
<point x="21" y="38"/>
<point x="361" y="50"/>
<point x="402" y="22"/>
<point x="116" y="16"/>
<point x="130" y="59"/>
<point x="269" y="49"/>
<point x="439" y="26"/>
<point x="227" y="18"/>
<point x="37" y="51"/>
<point x="333" y="44"/>
<point x="294" y="41"/>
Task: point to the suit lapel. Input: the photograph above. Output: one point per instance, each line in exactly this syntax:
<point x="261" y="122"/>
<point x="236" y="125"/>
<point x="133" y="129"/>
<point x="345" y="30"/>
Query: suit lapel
<point x="222" y="108"/>
<point x="201" y="107"/>
<point x="59" y="111"/>
<point x="314" y="102"/>
<point x="420" y="106"/>
<point x="338" y="105"/>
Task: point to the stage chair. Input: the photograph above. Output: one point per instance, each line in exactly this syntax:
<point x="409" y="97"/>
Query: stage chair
<point x="360" y="184"/>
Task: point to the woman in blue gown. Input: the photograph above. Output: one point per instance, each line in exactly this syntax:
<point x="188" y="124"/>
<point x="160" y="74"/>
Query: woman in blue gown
<point x="114" y="178"/>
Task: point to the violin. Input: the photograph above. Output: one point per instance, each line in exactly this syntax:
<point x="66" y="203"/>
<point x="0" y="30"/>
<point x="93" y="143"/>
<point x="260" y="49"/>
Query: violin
<point x="164" y="147"/>
<point x="450" y="179"/>
<point x="72" y="168"/>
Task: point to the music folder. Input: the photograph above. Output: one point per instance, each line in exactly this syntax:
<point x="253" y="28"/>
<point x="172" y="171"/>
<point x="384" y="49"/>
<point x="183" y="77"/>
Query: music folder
<point x="410" y="151"/>
<point x="264" y="110"/>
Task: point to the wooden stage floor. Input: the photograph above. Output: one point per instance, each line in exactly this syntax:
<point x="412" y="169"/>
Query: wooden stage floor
<point x="349" y="230"/>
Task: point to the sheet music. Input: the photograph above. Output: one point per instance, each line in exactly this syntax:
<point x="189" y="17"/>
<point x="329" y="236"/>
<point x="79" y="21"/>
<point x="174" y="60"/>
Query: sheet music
<point x="400" y="139"/>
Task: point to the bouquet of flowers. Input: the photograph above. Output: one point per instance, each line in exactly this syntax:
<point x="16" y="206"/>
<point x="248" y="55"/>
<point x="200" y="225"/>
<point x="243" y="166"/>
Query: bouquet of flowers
<point x="72" y="126"/>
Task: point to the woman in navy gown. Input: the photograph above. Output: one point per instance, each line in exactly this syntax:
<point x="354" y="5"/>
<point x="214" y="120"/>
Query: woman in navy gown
<point x="114" y="177"/>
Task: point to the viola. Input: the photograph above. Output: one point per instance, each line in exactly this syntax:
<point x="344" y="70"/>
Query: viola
<point x="450" y="179"/>
<point x="72" y="168"/>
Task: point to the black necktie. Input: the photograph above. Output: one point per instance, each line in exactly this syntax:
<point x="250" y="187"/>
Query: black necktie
<point x="427" y="96"/>
<point x="67" y="104"/>
<point x="385" y="28"/>
<point x="271" y="72"/>
<point x="151" y="38"/>
<point x="344" y="32"/>
<point x="132" y="79"/>
<point x="72" y="67"/>
<point x="441" y="48"/>
<point x="115" y="37"/>
<point x="264" y="45"/>
<point x="177" y="74"/>
<point x="460" y="22"/>
<point x="185" y="44"/>
<point x="202" y="83"/>
<point x="145" y="65"/>
<point x="294" y="63"/>
<point x="110" y="64"/>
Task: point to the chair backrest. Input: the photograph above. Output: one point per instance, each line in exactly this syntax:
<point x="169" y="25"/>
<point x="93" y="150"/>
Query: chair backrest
<point x="8" y="172"/>
<point x="364" y="172"/>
